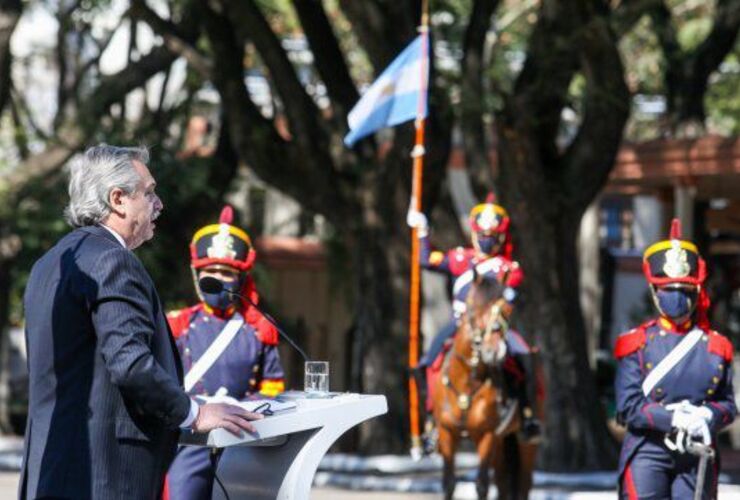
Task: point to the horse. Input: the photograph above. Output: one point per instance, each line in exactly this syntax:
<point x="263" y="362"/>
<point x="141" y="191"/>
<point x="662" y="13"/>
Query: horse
<point x="469" y="397"/>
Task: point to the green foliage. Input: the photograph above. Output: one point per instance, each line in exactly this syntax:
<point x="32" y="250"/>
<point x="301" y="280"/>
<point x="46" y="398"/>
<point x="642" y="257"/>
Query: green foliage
<point x="643" y="60"/>
<point x="723" y="99"/>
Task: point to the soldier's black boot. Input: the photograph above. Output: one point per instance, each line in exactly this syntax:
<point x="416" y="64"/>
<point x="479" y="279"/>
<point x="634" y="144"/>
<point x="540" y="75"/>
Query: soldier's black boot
<point x="531" y="426"/>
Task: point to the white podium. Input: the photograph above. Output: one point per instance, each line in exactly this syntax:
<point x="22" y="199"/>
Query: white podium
<point x="280" y="459"/>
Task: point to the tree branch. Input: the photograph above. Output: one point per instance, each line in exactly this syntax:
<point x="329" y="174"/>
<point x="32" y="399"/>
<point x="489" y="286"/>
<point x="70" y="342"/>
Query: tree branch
<point x="709" y="55"/>
<point x="10" y="13"/>
<point x="327" y="55"/>
<point x="102" y="45"/>
<point x="179" y="38"/>
<point x="298" y="107"/>
<point x="277" y="161"/>
<point x="541" y="89"/>
<point x="687" y="72"/>
<point x="673" y="73"/>
<point x="628" y="12"/>
<point x="590" y="156"/>
<point x="381" y="29"/>
<point x="73" y="135"/>
<point x="471" y="90"/>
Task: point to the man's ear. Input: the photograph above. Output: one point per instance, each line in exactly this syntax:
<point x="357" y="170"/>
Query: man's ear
<point x="116" y="202"/>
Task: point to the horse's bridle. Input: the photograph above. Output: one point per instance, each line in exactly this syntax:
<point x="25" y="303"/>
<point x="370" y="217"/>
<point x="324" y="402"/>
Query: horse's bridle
<point x="496" y="322"/>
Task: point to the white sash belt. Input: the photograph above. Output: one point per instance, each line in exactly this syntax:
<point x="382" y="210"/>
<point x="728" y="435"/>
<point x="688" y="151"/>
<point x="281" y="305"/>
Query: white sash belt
<point x="671" y="360"/>
<point x="484" y="267"/>
<point x="213" y="352"/>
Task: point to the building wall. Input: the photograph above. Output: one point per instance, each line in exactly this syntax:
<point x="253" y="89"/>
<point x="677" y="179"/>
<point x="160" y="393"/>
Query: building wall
<point x="312" y="309"/>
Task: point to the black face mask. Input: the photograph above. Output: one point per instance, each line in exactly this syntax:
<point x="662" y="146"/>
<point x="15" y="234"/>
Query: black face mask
<point x="223" y="299"/>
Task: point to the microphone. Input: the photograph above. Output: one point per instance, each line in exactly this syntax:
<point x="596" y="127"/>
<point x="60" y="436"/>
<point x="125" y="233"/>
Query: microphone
<point x="209" y="284"/>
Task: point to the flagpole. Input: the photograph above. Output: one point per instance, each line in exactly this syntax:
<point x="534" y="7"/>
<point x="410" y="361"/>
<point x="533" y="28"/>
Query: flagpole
<point x="416" y="190"/>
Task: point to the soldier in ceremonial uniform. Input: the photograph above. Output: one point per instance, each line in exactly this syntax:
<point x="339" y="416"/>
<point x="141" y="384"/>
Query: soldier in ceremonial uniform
<point x="674" y="379"/>
<point x="248" y="364"/>
<point x="491" y="256"/>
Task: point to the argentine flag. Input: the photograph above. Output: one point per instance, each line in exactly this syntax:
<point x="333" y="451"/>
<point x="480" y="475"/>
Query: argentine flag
<point x="395" y="96"/>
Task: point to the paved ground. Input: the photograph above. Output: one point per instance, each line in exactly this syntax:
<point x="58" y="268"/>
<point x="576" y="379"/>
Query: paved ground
<point x="9" y="489"/>
<point x="337" y="494"/>
<point x="8" y="485"/>
<point x="385" y="473"/>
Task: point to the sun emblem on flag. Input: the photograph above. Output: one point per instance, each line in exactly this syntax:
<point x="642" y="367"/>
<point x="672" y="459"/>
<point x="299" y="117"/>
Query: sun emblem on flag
<point x="388" y="89"/>
<point x="222" y="244"/>
<point x="676" y="261"/>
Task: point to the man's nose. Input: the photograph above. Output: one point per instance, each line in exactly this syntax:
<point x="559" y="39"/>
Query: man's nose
<point x="158" y="205"/>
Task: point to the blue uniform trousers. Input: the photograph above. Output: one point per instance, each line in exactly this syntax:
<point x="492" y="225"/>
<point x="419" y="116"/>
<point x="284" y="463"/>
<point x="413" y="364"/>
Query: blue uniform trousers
<point x="656" y="473"/>
<point x="435" y="348"/>
<point x="191" y="474"/>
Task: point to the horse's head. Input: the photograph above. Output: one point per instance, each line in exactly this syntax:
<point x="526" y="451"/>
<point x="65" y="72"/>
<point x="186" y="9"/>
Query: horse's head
<point x="486" y="321"/>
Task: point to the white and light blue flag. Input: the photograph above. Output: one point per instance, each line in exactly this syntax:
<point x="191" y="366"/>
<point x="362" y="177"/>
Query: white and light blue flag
<point x="398" y="95"/>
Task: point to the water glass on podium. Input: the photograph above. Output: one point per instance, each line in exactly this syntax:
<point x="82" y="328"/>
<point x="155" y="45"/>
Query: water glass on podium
<point x="316" y="381"/>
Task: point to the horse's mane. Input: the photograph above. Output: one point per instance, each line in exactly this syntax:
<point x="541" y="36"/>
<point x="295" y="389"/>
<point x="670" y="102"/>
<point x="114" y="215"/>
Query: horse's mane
<point x="485" y="290"/>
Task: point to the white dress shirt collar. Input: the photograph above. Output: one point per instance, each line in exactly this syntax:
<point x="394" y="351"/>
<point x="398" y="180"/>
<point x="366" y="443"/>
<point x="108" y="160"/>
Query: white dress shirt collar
<point x="118" y="237"/>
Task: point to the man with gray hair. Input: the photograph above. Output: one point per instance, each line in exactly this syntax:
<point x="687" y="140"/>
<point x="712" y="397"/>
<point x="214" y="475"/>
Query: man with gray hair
<point x="106" y="401"/>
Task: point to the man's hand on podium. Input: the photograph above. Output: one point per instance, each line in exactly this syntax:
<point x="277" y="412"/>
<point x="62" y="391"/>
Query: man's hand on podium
<point x="221" y="415"/>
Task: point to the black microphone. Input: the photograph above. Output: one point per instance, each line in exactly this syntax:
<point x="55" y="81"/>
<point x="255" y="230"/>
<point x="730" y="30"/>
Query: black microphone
<point x="209" y="284"/>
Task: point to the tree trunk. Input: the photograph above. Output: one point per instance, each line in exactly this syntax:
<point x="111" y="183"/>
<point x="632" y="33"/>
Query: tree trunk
<point x="545" y="232"/>
<point x="381" y="333"/>
<point x="9" y="248"/>
<point x="10" y="13"/>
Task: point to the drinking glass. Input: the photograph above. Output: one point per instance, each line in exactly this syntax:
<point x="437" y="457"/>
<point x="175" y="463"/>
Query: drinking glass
<point x="316" y="381"/>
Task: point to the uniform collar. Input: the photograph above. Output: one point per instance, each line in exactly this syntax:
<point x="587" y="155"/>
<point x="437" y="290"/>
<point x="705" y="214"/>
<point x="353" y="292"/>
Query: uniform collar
<point x="479" y="257"/>
<point x="668" y="325"/>
<point x="219" y="313"/>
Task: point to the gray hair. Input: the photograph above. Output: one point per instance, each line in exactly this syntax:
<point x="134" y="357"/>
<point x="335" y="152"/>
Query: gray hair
<point x="94" y="175"/>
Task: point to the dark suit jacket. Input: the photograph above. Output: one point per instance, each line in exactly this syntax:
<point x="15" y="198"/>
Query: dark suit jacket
<point x="105" y="396"/>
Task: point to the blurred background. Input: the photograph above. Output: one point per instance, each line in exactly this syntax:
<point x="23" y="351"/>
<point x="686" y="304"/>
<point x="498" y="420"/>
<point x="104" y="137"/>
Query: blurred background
<point x="594" y="122"/>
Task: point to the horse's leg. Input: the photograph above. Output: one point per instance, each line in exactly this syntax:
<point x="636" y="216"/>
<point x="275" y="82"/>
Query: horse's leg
<point x="485" y="455"/>
<point x="527" y="458"/>
<point x="447" y="447"/>
<point x="500" y="470"/>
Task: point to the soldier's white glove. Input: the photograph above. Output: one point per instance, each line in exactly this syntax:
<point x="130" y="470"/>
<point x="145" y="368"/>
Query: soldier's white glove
<point x="682" y="414"/>
<point x="418" y="220"/>
<point x="681" y="419"/>
<point x="699" y="429"/>
<point x="704" y="412"/>
<point x="691" y="422"/>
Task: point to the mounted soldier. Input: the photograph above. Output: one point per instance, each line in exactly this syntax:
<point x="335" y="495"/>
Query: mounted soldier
<point x="228" y="348"/>
<point x="674" y="381"/>
<point x="489" y="257"/>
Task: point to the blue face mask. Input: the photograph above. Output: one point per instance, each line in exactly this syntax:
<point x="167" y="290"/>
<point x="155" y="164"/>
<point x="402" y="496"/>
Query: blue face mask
<point x="676" y="303"/>
<point x="488" y="244"/>
<point x="223" y="299"/>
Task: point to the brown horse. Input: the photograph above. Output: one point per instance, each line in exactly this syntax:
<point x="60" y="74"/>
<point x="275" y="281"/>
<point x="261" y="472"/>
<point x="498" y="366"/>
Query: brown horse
<point x="469" y="400"/>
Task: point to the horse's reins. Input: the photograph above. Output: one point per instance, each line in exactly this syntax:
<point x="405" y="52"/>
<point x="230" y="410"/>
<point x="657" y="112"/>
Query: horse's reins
<point x="495" y="322"/>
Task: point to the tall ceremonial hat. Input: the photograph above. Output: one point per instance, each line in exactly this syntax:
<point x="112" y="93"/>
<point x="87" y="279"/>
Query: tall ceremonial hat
<point x="674" y="260"/>
<point x="222" y="244"/>
<point x="489" y="218"/>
